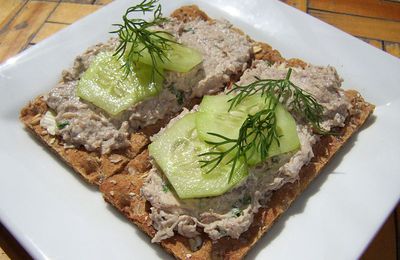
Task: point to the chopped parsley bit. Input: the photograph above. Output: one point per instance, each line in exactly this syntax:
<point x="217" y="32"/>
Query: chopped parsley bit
<point x="236" y="212"/>
<point x="165" y="188"/>
<point x="190" y="29"/>
<point x="62" y="124"/>
<point x="246" y="200"/>
<point x="180" y="97"/>
<point x="275" y="159"/>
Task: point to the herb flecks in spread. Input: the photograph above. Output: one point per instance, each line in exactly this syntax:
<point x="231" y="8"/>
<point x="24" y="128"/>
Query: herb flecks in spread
<point x="216" y="215"/>
<point x="260" y="130"/>
<point x="225" y="52"/>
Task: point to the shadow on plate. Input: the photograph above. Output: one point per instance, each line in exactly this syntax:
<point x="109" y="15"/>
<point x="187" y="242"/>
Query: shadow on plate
<point x="156" y="247"/>
<point x="300" y="203"/>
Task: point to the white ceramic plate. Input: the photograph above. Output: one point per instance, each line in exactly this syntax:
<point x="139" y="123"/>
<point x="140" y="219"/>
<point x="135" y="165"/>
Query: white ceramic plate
<point x="56" y="215"/>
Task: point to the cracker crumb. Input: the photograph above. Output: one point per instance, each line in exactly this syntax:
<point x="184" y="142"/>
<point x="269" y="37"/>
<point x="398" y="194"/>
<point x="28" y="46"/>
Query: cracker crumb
<point x="44" y="132"/>
<point x="132" y="170"/>
<point x="115" y="158"/>
<point x="195" y="243"/>
<point x="257" y="49"/>
<point x="36" y="119"/>
<point x="144" y="175"/>
<point x="68" y="146"/>
<point x="52" y="140"/>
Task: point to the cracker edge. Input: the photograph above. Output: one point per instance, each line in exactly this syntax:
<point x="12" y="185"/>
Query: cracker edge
<point x="137" y="209"/>
<point x="118" y="186"/>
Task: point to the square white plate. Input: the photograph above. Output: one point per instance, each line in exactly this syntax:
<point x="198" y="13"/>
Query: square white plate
<point x="56" y="215"/>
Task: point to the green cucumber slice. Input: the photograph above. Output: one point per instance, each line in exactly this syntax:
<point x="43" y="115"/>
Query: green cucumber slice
<point x="215" y="118"/>
<point x="179" y="58"/>
<point x="176" y="152"/>
<point x="107" y="86"/>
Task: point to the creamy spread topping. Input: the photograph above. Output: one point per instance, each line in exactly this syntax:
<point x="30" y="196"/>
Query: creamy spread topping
<point x="232" y="213"/>
<point x="225" y="52"/>
<point x="323" y="83"/>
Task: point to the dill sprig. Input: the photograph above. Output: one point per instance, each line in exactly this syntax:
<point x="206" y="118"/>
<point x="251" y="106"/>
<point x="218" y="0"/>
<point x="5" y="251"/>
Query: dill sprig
<point x="259" y="131"/>
<point x="301" y="101"/>
<point x="137" y="35"/>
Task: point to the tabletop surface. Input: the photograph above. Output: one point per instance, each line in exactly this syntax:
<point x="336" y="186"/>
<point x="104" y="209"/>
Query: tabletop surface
<point x="24" y="23"/>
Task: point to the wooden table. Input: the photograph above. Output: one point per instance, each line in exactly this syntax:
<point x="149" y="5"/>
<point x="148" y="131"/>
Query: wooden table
<point x="24" y="23"/>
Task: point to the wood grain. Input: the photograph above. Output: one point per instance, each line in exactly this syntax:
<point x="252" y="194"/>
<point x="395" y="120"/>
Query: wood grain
<point x="384" y="244"/>
<point x="392" y="48"/>
<point x="8" y="10"/>
<point x="362" y="26"/>
<point x="370" y="8"/>
<point x="102" y="2"/>
<point x="3" y="255"/>
<point x="24" y="27"/>
<point x="47" y="30"/>
<point x="69" y="12"/>
<point x="377" y="43"/>
<point x="299" y="4"/>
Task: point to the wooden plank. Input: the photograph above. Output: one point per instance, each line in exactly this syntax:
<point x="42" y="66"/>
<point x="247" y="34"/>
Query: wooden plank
<point x="362" y="26"/>
<point x="370" y="8"/>
<point x="11" y="246"/>
<point x="47" y="30"/>
<point x="102" y="2"/>
<point x="78" y="1"/>
<point x="384" y="244"/>
<point x="394" y="49"/>
<point x="8" y="10"/>
<point x="377" y="43"/>
<point x="69" y="12"/>
<point x="23" y="28"/>
<point x="3" y="255"/>
<point x="299" y="4"/>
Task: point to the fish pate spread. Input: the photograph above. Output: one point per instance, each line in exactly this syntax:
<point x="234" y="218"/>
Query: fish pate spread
<point x="225" y="51"/>
<point x="232" y="213"/>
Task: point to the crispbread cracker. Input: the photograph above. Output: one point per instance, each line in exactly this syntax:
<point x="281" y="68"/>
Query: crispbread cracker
<point x="123" y="173"/>
<point x="123" y="191"/>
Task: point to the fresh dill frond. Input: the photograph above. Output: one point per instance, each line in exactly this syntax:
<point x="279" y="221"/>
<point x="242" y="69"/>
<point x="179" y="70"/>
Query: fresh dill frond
<point x="137" y="35"/>
<point x="259" y="131"/>
<point x="300" y="100"/>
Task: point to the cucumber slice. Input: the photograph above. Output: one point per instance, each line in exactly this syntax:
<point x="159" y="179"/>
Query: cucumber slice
<point x="107" y="86"/>
<point x="176" y="153"/>
<point x="213" y="119"/>
<point x="179" y="58"/>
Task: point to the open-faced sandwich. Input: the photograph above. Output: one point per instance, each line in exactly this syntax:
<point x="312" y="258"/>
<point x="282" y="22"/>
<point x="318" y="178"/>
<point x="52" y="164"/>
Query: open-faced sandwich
<point x="199" y="135"/>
